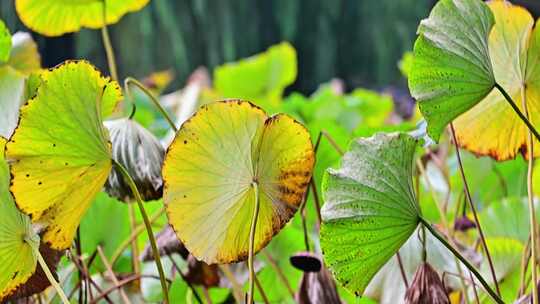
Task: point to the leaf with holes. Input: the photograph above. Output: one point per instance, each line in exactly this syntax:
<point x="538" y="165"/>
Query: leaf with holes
<point x="209" y="170"/>
<point x="451" y="70"/>
<point x="60" y="154"/>
<point x="54" y="17"/>
<point x="17" y="258"/>
<point x="370" y="208"/>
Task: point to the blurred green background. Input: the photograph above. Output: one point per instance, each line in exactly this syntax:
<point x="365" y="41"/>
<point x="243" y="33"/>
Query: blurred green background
<point x="359" y="41"/>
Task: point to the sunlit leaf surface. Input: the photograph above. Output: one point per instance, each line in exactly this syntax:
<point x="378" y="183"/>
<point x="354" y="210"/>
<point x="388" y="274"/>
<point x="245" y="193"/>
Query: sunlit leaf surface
<point x="370" y="208"/>
<point x="56" y="17"/>
<point x="209" y="170"/>
<point x="59" y="154"/>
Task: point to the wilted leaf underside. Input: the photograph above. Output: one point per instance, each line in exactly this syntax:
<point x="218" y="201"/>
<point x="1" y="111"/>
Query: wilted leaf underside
<point x="209" y="170"/>
<point x="370" y="209"/>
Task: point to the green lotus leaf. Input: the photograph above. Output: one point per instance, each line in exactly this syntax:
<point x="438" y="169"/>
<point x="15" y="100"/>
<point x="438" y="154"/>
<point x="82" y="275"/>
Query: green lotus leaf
<point x="5" y="42"/>
<point x="506" y="254"/>
<point x="60" y="154"/>
<point x="515" y="212"/>
<point x="268" y="74"/>
<point x="451" y="69"/>
<point x="370" y="208"/>
<point x="209" y="171"/>
<point x="17" y="258"/>
<point x="56" y="17"/>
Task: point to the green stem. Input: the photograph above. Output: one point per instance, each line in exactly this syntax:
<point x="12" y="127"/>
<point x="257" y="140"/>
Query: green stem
<point x="316" y="200"/>
<point x="81" y="277"/>
<point x="237" y="289"/>
<point x="474" y="289"/>
<point x="424" y="245"/>
<point x="525" y="256"/>
<point x="473" y="210"/>
<point x="530" y="199"/>
<point x="422" y="172"/>
<point x="134" y="235"/>
<point x="518" y="112"/>
<point x="108" y="45"/>
<point x="333" y="142"/>
<point x="153" y="98"/>
<point x="252" y="243"/>
<point x="273" y="264"/>
<point x="261" y="291"/>
<point x="49" y="274"/>
<point x="134" y="248"/>
<point x="402" y="270"/>
<point x="179" y="271"/>
<point x="148" y="225"/>
<point x="456" y="253"/>
<point x="304" y="220"/>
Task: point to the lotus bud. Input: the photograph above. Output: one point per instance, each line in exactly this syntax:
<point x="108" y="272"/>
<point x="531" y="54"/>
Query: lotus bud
<point x="426" y="287"/>
<point x="306" y="262"/>
<point x="318" y="288"/>
<point x="317" y="285"/>
<point x="141" y="153"/>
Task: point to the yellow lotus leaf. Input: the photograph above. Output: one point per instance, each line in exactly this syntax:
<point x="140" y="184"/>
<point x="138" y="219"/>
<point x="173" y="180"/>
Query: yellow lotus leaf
<point x="60" y="154"/>
<point x="17" y="258"/>
<point x="56" y="17"/>
<point x="209" y="171"/>
<point x="491" y="127"/>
